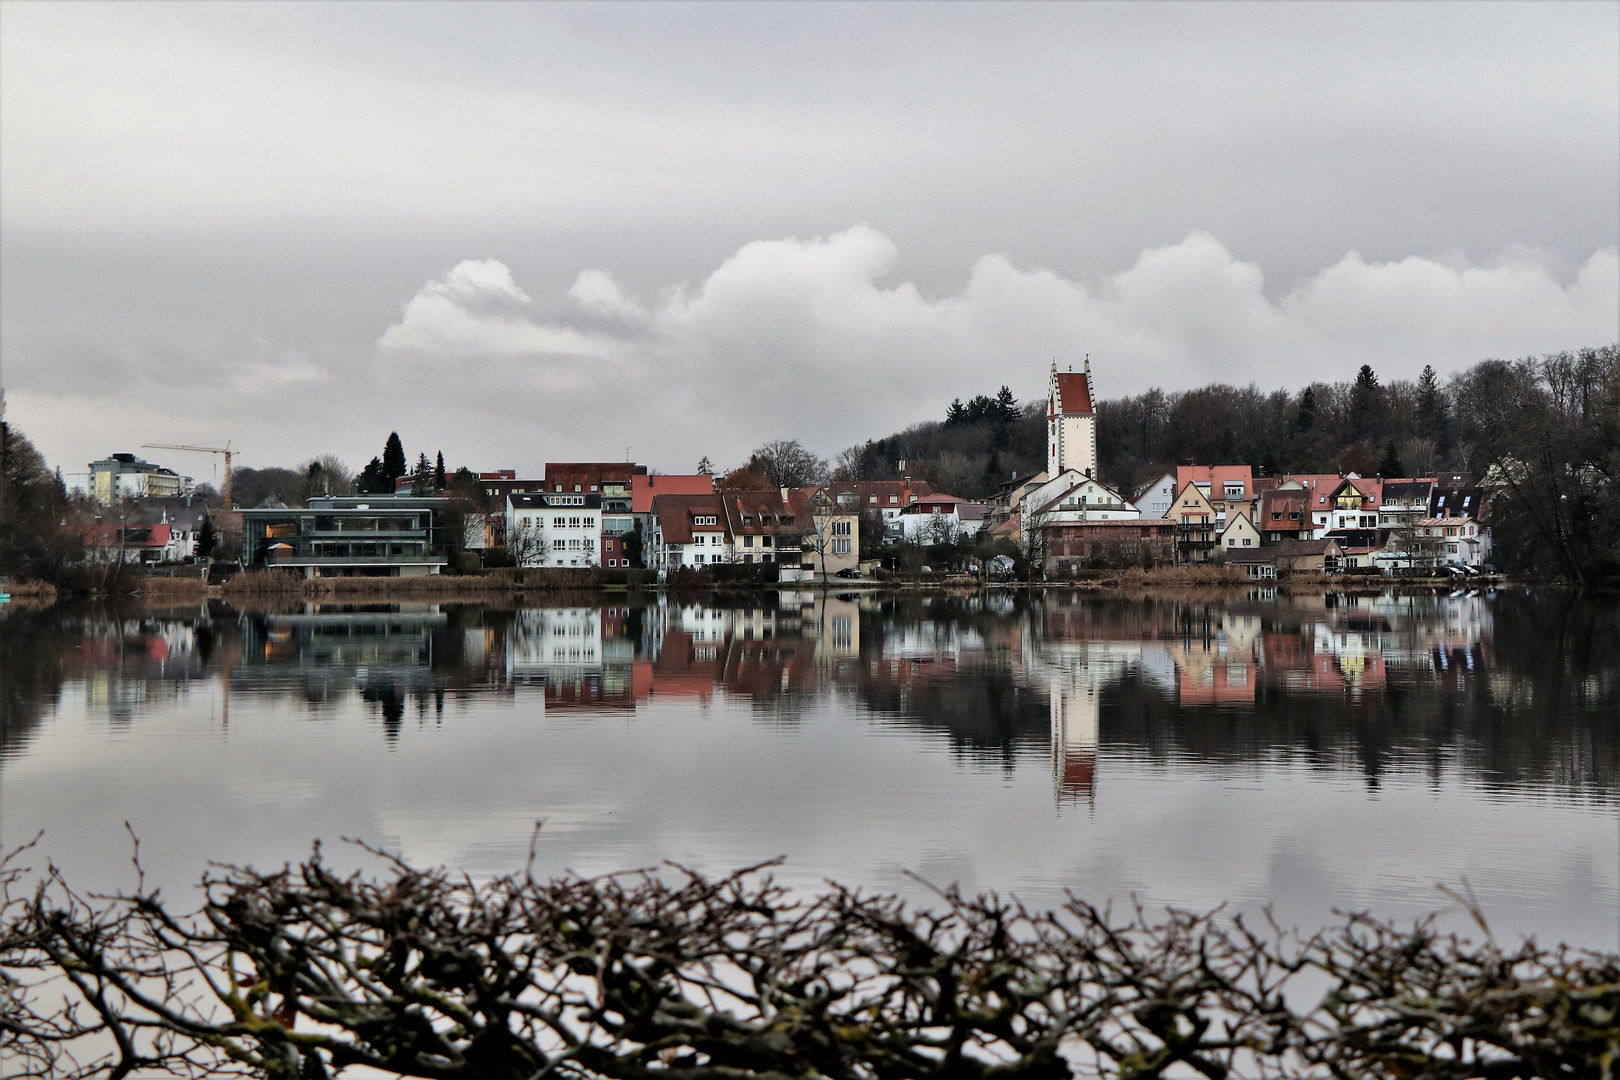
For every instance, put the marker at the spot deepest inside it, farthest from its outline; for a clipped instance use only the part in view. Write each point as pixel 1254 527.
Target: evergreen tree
pixel 992 472
pixel 393 462
pixel 422 476
pixel 956 414
pixel 1390 464
pixel 1432 413
pixel 207 538
pixel 439 481
pixel 1366 404
pixel 705 466
pixel 632 544
pixel 1307 409
pixel 373 479
pixel 1006 404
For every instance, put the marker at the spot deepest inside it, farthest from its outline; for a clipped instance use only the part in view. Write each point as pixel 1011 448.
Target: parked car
pixel 849 572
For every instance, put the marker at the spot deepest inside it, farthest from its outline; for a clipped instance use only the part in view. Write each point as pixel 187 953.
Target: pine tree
pixel 1366 403
pixel 373 479
pixel 705 466
pixel 956 414
pixel 992 472
pixel 393 462
pixel 1390 464
pixel 439 482
pixel 207 538
pixel 1006 404
pixel 1307 409
pixel 422 476
pixel 1432 413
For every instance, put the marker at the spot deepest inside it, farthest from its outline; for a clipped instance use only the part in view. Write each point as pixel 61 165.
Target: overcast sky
pixel 522 232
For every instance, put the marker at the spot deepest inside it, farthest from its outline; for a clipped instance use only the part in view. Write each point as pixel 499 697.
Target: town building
pixel 937 519
pixel 125 476
pixel 1156 497
pixel 351 536
pixel 1071 425
pixel 1226 487
pixel 1072 546
pixel 545 528
pixel 690 531
pixel 1197 535
pixel 1239 533
pixel 644 487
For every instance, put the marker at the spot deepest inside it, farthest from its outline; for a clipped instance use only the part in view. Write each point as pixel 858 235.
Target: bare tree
pixel 785 463
pixel 302 973
pixel 526 542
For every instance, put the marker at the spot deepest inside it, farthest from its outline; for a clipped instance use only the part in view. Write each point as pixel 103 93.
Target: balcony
pixel 288 558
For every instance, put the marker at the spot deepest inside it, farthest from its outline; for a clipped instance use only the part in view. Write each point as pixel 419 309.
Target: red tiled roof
pixel 1216 476
pixel 1074 393
pixel 675 514
pixel 644 486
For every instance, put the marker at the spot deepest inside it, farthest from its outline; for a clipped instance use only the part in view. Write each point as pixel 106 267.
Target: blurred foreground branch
pixel 304 973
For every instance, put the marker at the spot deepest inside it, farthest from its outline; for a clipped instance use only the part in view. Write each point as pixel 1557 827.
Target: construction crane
pixel 226 450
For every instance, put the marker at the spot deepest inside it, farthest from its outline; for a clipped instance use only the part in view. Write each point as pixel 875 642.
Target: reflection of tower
pixel 1076 711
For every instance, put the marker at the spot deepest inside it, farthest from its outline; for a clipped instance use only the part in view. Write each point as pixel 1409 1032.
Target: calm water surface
pixel 1311 752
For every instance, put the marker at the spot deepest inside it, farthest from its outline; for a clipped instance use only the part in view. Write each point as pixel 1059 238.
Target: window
pixel 1246 541
pixel 700 538
pixel 1276 515
pixel 698 558
pixel 872 499
pixel 841 547
pixel 894 498
pixel 785 519
pixel 590 523
pixel 764 541
pixel 559 545
pixel 748 541
pixel 704 519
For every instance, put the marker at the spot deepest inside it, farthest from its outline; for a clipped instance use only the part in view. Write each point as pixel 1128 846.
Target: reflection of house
pixel 363 536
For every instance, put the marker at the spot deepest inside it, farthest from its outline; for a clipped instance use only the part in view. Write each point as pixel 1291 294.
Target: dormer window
pixel 704 519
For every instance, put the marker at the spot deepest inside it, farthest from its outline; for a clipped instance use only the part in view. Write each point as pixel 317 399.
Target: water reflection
pixel 1185 731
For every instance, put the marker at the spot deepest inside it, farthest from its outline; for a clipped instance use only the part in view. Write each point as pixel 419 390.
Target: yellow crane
pixel 226 450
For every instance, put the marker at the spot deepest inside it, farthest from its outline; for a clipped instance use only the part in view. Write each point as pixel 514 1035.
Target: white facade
pixel 1071 426
pixel 546 529
pixel 1157 498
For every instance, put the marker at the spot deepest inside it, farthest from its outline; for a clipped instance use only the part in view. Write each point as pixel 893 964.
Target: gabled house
pixel 939 519
pixel 1196 529
pixel 1227 487
pixel 1239 533
pixel 1354 503
pixel 1154 498
pixel 829 536
pixel 689 531
pixel 1285 513
pixel 1455 541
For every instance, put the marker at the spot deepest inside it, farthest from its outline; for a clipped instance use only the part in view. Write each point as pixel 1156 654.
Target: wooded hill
pixel 1546 428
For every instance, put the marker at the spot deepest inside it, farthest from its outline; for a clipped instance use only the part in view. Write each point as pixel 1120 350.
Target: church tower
pixel 1071 426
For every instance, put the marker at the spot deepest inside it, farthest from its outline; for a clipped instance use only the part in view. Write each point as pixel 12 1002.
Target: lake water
pixel 1310 752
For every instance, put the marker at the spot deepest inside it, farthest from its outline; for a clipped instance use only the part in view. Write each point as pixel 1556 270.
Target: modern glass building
pixel 358 536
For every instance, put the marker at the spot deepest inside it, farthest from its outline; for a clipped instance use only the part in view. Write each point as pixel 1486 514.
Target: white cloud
pixel 478 310
pixel 800 337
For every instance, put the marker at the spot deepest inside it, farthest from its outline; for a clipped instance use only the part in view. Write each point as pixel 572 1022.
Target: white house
pixel 936 519
pixel 1071 497
pixel 1156 498
pixel 546 528
pixel 1240 533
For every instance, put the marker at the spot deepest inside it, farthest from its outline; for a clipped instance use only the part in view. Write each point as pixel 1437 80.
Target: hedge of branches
pixel 670 975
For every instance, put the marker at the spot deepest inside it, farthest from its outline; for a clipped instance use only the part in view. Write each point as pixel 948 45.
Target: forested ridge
pixel 1546 428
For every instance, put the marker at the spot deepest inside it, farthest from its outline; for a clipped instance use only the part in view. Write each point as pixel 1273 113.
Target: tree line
pixel 1546 429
